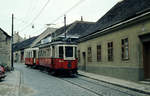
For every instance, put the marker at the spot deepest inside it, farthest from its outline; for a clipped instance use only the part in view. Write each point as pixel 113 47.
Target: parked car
pixel 2 72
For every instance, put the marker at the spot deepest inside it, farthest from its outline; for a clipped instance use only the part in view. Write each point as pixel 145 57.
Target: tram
pixel 57 57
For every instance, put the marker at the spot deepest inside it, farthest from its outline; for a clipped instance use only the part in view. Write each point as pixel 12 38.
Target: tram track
pixel 21 81
pixel 98 82
pixel 97 88
pixel 94 86
pixel 83 87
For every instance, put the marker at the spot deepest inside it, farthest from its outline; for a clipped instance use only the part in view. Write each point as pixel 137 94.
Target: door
pixel 22 56
pixel 84 61
pixel 146 59
pixel 34 56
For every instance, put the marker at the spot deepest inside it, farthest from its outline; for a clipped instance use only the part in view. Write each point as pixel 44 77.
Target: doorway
pixel 84 60
pixel 146 59
pixel 22 56
pixel 34 56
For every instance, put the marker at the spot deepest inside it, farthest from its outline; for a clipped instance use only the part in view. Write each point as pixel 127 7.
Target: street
pixel 33 82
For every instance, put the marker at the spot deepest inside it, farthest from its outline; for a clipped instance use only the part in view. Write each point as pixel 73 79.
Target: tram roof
pixel 57 43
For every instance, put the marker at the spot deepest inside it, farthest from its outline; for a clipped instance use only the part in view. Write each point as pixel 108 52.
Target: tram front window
pixel 69 51
pixel 61 52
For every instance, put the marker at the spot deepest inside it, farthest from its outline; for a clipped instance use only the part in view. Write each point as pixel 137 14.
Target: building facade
pixel 17 38
pixel 19 48
pixel 121 50
pixel 5 49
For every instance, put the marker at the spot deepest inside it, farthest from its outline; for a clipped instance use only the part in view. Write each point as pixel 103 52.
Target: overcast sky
pixel 28 13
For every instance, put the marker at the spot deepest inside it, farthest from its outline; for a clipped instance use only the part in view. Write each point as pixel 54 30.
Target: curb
pixel 133 89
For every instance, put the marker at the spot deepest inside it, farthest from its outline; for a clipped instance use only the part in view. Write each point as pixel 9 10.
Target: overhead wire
pixel 70 9
pixel 42 9
pixel 30 9
pixel 20 20
pixel 67 11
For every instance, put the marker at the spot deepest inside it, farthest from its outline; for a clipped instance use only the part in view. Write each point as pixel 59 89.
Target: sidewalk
pixel 10 85
pixel 142 88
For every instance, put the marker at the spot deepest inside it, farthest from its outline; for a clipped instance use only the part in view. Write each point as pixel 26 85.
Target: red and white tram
pixel 58 57
pixel 31 56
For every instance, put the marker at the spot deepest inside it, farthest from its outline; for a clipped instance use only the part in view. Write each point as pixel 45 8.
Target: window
pixel 89 54
pixel 0 44
pixel 53 51
pixel 69 51
pixel 110 51
pixel 75 52
pixel 61 51
pixel 125 49
pixel 98 53
pixel 78 55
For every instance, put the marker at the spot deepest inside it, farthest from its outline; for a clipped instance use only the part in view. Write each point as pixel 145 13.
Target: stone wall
pixel 5 49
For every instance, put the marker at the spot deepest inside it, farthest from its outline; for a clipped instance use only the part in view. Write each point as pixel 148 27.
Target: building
pixel 73 30
pixel 5 49
pixel 118 45
pixel 19 48
pixel 29 43
pixel 17 38
pixel 43 35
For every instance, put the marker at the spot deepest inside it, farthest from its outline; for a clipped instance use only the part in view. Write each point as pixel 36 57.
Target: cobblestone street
pixel 31 82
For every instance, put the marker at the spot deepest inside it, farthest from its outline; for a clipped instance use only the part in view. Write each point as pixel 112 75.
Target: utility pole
pixel 65 25
pixel 12 57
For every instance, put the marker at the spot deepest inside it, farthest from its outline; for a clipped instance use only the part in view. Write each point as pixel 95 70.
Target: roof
pixel 79 27
pixel 24 44
pixel 76 28
pixel 5 33
pixel 57 43
pixel 122 11
pixel 61 30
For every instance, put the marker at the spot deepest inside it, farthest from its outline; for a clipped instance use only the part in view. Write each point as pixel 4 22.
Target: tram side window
pixel 53 51
pixel 75 52
pixel 28 54
pixel 61 51
pixel 69 51
pixel 39 53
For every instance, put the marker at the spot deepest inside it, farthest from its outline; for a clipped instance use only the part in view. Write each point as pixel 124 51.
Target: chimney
pixel 81 18
pixel 24 36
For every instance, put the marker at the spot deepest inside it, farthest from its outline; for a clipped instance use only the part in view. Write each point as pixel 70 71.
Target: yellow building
pixel 118 45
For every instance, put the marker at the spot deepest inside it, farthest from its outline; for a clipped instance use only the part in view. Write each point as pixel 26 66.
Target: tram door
pixel 84 61
pixel 146 59
pixel 34 56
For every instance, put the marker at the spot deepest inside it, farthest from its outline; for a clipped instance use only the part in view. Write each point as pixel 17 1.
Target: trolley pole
pixel 65 25
pixel 12 57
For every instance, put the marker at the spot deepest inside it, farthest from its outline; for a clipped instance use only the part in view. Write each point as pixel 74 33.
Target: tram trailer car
pixel 59 57
pixel 31 57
